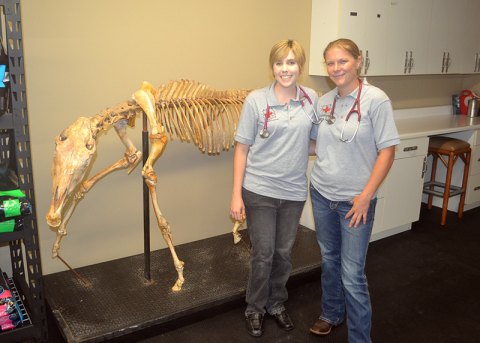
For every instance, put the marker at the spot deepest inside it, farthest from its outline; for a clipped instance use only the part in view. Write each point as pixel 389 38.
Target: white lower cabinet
pixel 473 190
pixel 473 185
pixel 400 196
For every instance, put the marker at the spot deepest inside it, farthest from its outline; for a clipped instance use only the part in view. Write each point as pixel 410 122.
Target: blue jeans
pixel 272 225
pixel 344 252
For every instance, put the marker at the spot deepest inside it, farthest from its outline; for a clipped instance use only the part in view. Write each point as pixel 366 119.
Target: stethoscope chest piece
pixel 264 133
pixel 330 119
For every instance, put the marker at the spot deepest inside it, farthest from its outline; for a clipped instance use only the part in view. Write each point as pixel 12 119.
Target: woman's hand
pixel 361 202
pixel 237 209
pixel 358 212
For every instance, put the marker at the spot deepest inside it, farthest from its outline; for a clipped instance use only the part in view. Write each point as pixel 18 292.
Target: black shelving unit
pixel 26 276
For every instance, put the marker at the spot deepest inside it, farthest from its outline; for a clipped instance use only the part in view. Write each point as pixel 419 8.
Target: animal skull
pixel 70 163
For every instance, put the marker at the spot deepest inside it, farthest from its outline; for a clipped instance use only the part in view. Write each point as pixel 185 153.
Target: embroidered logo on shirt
pixel 326 109
pixel 272 116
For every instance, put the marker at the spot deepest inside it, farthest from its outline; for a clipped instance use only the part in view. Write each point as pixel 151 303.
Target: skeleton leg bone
pixel 130 160
pixel 132 154
pixel 237 237
pixel 167 235
pixel 158 143
pixel 145 98
pixel 62 229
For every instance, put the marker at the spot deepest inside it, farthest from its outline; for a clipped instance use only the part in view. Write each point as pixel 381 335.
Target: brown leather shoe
pixel 321 328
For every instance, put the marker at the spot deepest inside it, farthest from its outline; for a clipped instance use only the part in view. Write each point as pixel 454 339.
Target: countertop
pixel 421 122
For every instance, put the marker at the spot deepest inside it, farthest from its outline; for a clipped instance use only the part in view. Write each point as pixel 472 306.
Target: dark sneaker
pixel 283 320
pixel 254 322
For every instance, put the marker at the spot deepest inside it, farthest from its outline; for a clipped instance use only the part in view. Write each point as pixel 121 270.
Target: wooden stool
pixel 448 150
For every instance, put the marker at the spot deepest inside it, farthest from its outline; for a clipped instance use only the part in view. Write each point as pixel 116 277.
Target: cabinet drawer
pixel 412 147
pixel 473 189
pixel 475 161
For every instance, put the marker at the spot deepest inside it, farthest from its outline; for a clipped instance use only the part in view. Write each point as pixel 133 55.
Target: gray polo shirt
pixel 276 166
pixel 342 170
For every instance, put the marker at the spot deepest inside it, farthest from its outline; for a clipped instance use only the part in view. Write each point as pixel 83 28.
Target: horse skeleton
pixel 183 109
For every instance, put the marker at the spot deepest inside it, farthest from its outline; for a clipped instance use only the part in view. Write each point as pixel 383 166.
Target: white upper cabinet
pixel 399 37
pixel 363 21
pixel 471 36
pixel 322 29
pixel 447 46
pixel 405 46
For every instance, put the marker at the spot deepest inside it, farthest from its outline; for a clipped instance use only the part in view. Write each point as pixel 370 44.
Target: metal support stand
pixel 146 203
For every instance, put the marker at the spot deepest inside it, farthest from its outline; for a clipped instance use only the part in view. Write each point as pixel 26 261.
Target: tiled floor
pixel 423 285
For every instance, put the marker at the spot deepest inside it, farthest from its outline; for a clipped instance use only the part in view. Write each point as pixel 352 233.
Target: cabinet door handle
pixel 367 62
pixel 443 62
pixel 476 188
pixel 411 148
pixel 364 57
pixel 405 67
pixel 475 69
pixel 448 62
pixel 410 63
pixel 425 166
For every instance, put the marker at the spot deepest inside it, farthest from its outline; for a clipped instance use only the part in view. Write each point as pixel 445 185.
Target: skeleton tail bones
pixel 181 109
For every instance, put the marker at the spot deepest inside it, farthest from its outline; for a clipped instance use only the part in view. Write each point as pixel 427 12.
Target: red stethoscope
pixel 330 119
pixel 314 119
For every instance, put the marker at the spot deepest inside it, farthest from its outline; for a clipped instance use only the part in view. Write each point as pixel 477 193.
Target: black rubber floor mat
pixel 117 300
